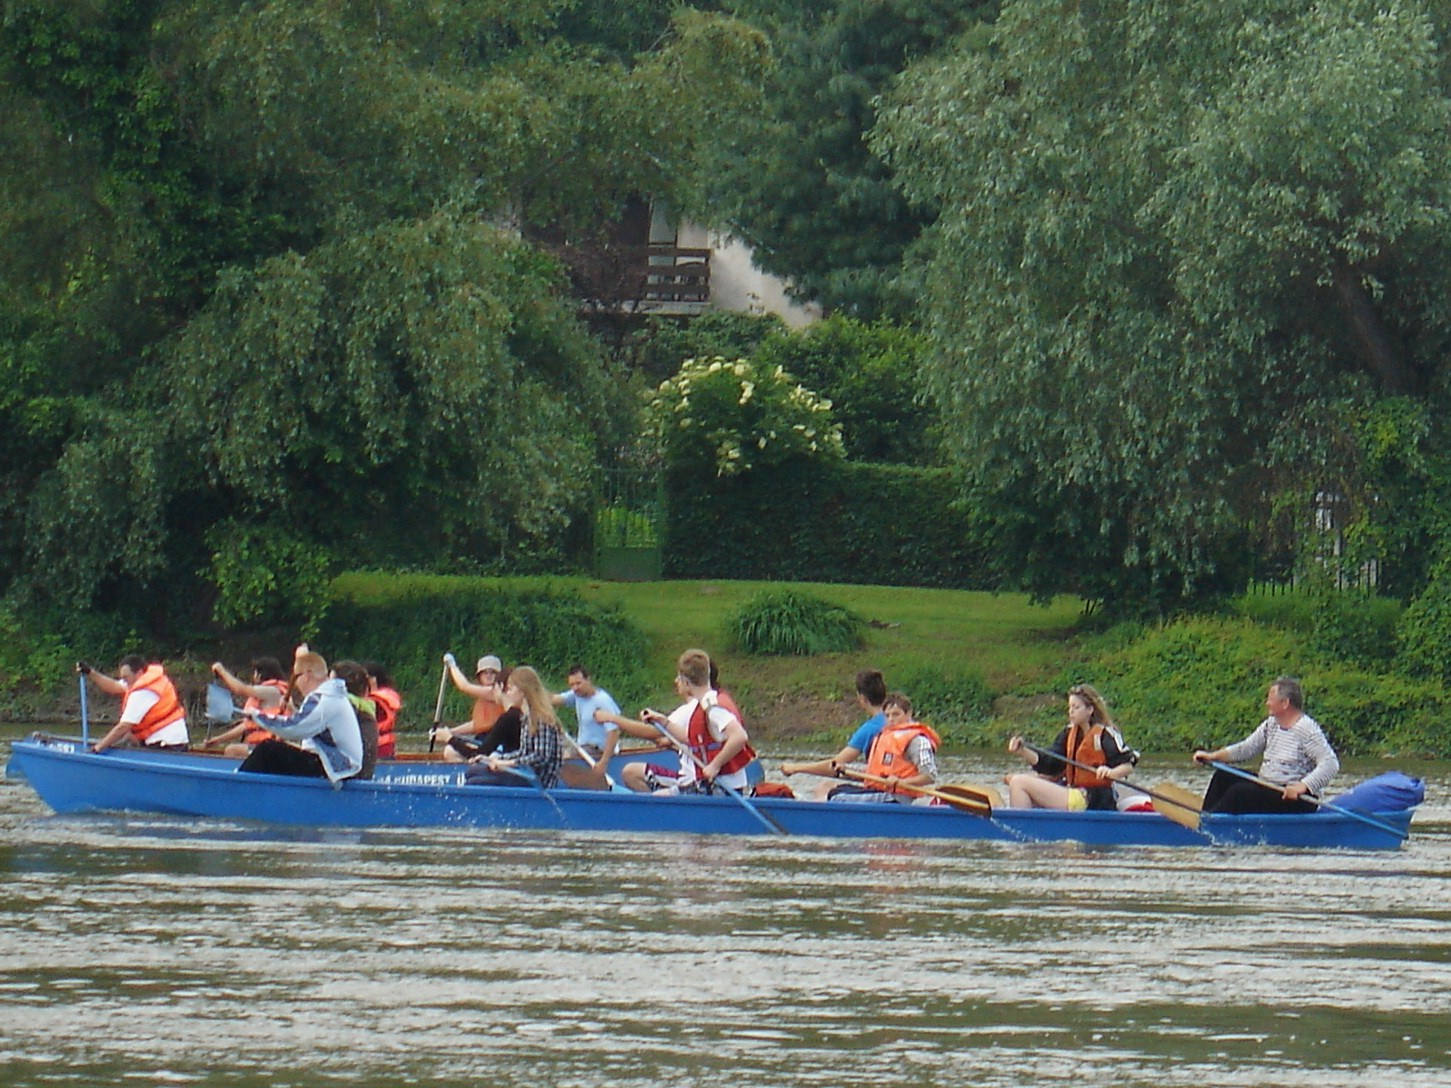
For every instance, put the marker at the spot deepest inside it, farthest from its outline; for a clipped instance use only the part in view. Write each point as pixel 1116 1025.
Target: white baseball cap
pixel 488 661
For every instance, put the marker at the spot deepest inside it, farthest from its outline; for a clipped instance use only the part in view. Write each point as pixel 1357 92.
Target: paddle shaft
pixel 438 707
pixel 1279 788
pixel 1157 796
pixel 735 795
pixel 85 715
pixel 962 804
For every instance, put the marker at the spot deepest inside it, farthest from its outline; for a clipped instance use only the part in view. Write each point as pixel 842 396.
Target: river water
pixel 156 951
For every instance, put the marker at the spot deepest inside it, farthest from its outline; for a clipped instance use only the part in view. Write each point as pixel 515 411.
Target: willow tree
pixel 264 296
pixel 1175 241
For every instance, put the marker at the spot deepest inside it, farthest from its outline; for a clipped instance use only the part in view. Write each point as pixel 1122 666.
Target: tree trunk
pixel 1381 350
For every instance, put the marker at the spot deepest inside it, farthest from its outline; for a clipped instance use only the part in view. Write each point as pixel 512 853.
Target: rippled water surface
pixel 150 950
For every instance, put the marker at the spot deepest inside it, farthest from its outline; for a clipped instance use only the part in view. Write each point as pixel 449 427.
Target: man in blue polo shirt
pixel 871 694
pixel 597 738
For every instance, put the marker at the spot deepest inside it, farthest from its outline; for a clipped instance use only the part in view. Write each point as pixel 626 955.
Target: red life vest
pixel 1087 749
pixel 705 746
pixel 256 732
pixel 888 755
pixel 167 710
pixel 388 702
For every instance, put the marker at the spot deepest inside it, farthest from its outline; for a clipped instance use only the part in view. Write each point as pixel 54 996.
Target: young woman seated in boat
pixel 540 748
pixel 1090 738
pixel 502 735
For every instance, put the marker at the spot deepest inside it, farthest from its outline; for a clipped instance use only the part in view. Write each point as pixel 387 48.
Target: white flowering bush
pixel 731 416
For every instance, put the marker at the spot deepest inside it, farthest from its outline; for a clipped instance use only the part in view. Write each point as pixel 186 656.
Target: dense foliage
pixel 263 304
pixel 846 522
pixel 729 417
pixel 1179 247
pixel 815 202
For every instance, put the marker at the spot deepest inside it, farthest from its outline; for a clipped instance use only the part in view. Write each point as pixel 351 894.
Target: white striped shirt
pixel 1299 753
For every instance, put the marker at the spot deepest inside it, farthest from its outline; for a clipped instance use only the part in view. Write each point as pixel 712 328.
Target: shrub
pixel 718 417
pixel 870 374
pixel 1348 625
pixel 1424 630
pixel 787 622
pixel 956 703
pixel 841 522
pixel 1200 683
pixel 658 348
pixel 266 576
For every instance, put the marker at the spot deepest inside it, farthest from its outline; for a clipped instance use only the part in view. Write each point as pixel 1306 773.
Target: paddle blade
pixel 219 704
pixel 1178 804
pixel 977 794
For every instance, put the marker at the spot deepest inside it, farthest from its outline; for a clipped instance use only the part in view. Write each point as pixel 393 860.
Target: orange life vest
pixel 1086 749
pixel 256 732
pixel 485 713
pixel 888 755
pixel 168 708
pixel 705 746
pixel 388 702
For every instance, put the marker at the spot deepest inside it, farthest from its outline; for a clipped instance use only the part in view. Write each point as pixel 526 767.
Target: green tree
pixel 256 272
pixel 871 375
pixel 1169 236
pixel 815 203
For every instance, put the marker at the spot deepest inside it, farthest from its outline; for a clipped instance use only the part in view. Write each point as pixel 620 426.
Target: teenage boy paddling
pixel 707 731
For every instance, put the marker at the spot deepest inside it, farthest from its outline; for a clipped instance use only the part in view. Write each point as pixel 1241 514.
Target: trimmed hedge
pixel 850 522
pixel 408 622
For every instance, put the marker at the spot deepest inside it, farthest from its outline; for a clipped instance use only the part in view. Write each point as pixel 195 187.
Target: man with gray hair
pixel 1297 758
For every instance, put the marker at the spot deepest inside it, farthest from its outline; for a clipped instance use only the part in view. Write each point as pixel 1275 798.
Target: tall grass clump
pixel 788 622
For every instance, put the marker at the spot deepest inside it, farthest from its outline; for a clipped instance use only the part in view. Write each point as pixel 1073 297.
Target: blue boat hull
pixel 71 779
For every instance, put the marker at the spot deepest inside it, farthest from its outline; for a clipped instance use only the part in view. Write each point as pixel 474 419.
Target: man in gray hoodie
pixel 324 725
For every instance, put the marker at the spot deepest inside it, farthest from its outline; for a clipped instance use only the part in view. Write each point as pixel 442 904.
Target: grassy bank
pixel 926 635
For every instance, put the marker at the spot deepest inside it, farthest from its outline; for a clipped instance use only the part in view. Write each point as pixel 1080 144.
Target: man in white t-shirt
pixel 151 711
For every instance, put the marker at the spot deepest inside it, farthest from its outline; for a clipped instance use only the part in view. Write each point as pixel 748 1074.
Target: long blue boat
pixel 72 779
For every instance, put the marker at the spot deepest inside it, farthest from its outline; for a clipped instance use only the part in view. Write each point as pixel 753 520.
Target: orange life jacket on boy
pixel 168 708
pixel 888 755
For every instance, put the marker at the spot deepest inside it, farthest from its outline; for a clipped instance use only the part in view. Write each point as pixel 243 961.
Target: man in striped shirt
pixel 1297 757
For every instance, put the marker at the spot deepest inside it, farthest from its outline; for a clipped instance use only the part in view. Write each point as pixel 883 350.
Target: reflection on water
pixel 155 951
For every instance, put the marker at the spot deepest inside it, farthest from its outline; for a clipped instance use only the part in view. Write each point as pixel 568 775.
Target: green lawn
pixel 1017 647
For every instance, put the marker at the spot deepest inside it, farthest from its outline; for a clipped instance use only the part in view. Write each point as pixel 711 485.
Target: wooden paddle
pixel 1182 809
pixel 1279 787
pixel 962 798
pixel 614 786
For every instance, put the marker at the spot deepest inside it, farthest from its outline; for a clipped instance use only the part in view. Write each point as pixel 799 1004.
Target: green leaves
pixel 1166 232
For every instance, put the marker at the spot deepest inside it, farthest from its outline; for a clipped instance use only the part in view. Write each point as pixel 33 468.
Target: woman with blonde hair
pixel 1098 754
pixel 539 748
